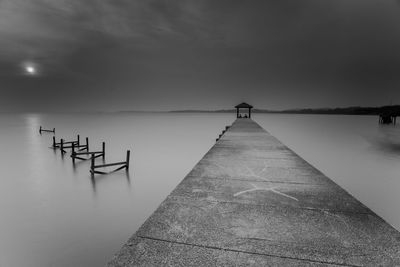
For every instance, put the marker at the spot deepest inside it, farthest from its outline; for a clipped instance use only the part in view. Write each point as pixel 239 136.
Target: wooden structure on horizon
pixel 388 114
pixel 243 106
pixel 387 118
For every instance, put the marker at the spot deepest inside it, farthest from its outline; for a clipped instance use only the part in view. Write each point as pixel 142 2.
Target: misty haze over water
pixel 54 214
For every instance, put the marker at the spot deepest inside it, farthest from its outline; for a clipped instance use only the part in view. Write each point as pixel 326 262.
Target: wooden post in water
pixel 62 145
pixel 92 164
pixel 87 144
pixel 41 129
pixel 73 152
pixel 54 142
pixel 128 154
pixel 78 140
pixel 104 150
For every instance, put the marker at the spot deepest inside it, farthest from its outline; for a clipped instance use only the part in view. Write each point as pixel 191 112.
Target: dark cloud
pixel 159 54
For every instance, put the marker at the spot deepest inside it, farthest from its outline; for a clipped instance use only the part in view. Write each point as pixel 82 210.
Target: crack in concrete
pixel 246 252
pixel 272 205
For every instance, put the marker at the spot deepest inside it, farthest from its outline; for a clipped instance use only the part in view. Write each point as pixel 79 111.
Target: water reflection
pixel 387 141
pixel 95 179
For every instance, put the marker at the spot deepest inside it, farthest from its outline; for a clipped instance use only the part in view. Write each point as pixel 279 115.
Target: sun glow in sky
pixel 30 68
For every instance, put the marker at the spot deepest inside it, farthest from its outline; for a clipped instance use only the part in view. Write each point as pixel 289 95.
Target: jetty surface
pixel 251 201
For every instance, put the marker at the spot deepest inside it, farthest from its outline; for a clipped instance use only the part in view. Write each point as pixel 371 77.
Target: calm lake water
pixel 54 214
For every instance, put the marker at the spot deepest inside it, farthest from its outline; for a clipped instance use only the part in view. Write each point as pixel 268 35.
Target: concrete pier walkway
pixel 251 201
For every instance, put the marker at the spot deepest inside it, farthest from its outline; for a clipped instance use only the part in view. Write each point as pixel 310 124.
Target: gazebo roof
pixel 243 105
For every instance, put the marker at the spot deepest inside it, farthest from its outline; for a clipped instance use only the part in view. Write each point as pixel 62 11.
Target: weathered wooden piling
pixel 128 155
pixel 62 146
pixel 251 201
pixel 47 130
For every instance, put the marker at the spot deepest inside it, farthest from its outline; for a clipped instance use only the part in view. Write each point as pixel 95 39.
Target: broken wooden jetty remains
pixel 93 154
pixel 122 165
pixel 47 130
pixel 251 201
pixel 79 151
pixel 63 145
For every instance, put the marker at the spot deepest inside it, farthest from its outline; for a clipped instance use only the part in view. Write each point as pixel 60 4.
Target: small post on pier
pixel 54 142
pixel 40 130
pixel 78 140
pixel 87 144
pixel 128 154
pixel 104 150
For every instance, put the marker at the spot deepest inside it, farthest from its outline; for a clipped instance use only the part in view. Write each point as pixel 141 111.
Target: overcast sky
pixel 60 55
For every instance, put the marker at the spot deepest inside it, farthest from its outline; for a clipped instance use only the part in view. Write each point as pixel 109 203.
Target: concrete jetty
pixel 251 201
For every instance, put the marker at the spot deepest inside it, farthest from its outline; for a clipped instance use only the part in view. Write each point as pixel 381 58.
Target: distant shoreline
pixel 326 111
pixel 373 111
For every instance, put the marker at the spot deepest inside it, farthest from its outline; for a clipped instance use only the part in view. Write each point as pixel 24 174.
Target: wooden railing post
pixel 128 154
pixel 87 144
pixel 78 140
pixel 104 150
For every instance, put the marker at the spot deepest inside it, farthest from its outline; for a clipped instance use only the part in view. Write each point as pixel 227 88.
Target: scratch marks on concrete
pixel 256 188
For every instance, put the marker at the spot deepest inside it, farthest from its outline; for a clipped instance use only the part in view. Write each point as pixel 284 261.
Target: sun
pixel 30 69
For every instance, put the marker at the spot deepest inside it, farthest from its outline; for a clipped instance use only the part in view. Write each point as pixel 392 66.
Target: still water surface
pixel 53 214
